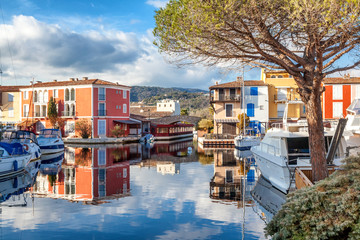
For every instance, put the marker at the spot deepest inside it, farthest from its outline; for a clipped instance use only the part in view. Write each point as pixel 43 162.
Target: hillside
pixel 196 100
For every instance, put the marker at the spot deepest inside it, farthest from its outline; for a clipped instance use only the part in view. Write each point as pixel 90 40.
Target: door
pixel 221 94
pixel 101 127
pixel 229 128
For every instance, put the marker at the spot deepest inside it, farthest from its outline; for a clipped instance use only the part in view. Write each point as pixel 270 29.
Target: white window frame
pixel 101 153
pixel 11 112
pixel 26 106
pixel 98 128
pixel 102 94
pixel 124 94
pixel 337 92
pixel 124 172
pixel 26 95
pixel 337 109
pixel 55 93
pixel 124 108
pixel 357 91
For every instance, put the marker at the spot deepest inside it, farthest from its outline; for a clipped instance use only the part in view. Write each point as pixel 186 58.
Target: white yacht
pixel 353 116
pixel 282 150
pixel 27 139
pixel 13 158
pixel 50 141
pixel 246 142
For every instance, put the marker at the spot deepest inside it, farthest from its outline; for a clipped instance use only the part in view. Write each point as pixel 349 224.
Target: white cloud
pixel 157 3
pixel 48 51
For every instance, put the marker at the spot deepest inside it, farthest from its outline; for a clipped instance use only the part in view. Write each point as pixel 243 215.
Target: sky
pixel 106 39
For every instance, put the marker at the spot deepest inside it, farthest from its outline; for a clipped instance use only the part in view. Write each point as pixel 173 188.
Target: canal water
pixel 160 191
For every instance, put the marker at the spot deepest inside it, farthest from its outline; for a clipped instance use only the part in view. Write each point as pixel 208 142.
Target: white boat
pixel 246 142
pixel 148 138
pixel 282 150
pixel 27 139
pixel 353 116
pixel 13 158
pixel 50 141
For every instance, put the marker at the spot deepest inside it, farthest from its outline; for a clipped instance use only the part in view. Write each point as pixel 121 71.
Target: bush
pixel 328 210
pixel 84 128
pixel 117 131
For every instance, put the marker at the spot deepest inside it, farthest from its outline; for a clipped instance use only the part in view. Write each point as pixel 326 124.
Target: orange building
pixel 103 104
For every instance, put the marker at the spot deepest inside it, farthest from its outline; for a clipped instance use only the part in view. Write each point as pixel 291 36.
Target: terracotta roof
pixel 11 88
pixel 237 84
pixel 340 80
pixel 75 82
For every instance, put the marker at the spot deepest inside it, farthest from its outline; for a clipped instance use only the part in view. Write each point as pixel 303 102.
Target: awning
pixel 226 120
pixel 126 121
pixel 28 123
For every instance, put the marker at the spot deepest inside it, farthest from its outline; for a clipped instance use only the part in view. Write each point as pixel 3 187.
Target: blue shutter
pixel 250 110
pixel 253 91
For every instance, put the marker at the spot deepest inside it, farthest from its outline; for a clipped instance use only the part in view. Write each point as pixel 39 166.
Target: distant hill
pixel 196 100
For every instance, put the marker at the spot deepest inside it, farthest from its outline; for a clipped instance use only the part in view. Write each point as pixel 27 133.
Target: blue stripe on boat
pixel 52 147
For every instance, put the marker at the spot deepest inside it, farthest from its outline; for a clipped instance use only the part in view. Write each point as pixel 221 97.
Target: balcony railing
pixel 101 97
pixel 288 97
pixel 226 98
pixel 37 114
pixel 68 114
pixel 101 112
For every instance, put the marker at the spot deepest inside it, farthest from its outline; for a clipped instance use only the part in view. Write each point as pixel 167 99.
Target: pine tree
pixel 52 112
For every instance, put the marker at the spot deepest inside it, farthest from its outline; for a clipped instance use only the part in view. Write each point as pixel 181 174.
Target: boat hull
pixel 246 143
pixel 12 165
pixel 51 149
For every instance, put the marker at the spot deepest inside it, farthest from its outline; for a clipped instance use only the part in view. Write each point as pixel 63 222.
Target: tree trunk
pixel 316 137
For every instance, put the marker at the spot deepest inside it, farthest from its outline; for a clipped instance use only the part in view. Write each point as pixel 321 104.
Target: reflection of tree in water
pixel 52 179
pixel 84 157
pixel 118 154
pixel 205 159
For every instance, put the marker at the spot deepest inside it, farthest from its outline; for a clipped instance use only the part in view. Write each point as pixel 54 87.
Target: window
pixel 101 157
pixel 55 93
pixel 253 91
pixel 357 91
pixel 280 76
pixel 26 110
pixel 261 107
pixel 72 94
pixel 124 108
pixel 46 97
pixel 117 107
pixel 101 94
pixel 11 112
pixel 282 94
pixel 102 111
pixel 337 92
pixel 117 92
pixel 10 97
pixel 250 109
pixel 26 95
pixel 229 176
pixel 273 76
pixel 229 110
pixel 337 109
pixel 101 127
pixel 125 173
pixel 280 110
pixel 124 94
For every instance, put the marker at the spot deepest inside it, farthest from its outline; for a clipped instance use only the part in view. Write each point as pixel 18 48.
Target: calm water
pixel 164 191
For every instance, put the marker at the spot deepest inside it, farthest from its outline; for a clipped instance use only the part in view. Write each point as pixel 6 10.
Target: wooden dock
pixel 303 176
pixel 216 143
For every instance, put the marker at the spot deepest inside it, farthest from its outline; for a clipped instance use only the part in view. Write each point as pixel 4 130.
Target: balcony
pixel 68 114
pixel 101 112
pixel 290 98
pixel 225 98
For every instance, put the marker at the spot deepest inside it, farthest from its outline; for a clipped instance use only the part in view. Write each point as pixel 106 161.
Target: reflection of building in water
pixel 90 175
pixel 229 180
pixel 173 148
pixel 168 168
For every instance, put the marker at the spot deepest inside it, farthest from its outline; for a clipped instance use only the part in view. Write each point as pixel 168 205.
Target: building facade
pixel 101 103
pixel 339 94
pixel 10 114
pixel 168 105
pixel 282 91
pixel 227 102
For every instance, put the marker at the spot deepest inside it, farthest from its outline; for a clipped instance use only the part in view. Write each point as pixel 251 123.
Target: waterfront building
pixel 102 104
pixel 168 105
pixel 10 114
pixel 226 101
pixel 282 91
pixel 339 94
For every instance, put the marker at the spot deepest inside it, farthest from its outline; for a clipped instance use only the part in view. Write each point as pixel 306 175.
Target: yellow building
pixel 10 105
pixel 282 91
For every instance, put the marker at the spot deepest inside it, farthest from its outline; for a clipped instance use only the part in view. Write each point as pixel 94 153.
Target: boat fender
pixel 15 183
pixel 15 165
pixel 26 147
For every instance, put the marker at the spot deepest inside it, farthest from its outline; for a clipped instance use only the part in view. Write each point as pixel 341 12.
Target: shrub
pixel 84 128
pixel 117 131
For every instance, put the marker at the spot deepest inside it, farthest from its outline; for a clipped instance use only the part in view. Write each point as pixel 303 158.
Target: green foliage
pixel 117 131
pixel 206 124
pixel 328 210
pixel 52 111
pixel 184 111
pixel 84 128
pixel 240 125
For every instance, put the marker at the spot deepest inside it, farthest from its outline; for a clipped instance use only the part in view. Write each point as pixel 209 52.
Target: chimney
pixel 216 83
pixel 38 81
pixel 85 78
pixel 77 79
pixel 347 76
pixel 71 79
pixel 55 80
pixel 239 79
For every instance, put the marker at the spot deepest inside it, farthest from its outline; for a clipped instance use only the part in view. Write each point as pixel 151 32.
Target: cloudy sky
pixel 106 39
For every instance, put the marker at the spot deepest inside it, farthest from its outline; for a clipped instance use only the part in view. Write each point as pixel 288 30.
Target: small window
pixel 117 92
pixel 337 92
pixel 124 108
pixel 10 97
pixel 55 93
pixel 101 157
pixel 11 112
pixel 261 107
pixel 124 94
pixel 273 76
pixel 117 107
pixel 125 173
pixel 253 91
pixel 25 95
pixel 250 107
pixel 280 76
pixel 101 94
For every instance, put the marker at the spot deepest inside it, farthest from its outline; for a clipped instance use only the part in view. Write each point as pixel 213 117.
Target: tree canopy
pixel 52 111
pixel 307 38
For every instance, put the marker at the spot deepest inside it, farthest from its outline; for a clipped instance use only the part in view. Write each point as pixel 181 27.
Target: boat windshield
pixel 49 133
pixel 19 136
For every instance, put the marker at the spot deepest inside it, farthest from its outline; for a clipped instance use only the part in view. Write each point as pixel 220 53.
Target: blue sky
pixel 106 39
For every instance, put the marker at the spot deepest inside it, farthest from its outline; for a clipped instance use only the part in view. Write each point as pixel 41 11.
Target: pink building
pixel 102 103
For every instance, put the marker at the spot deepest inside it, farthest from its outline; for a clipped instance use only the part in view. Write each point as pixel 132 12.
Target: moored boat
pixel 50 141
pixel 246 142
pixel 13 158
